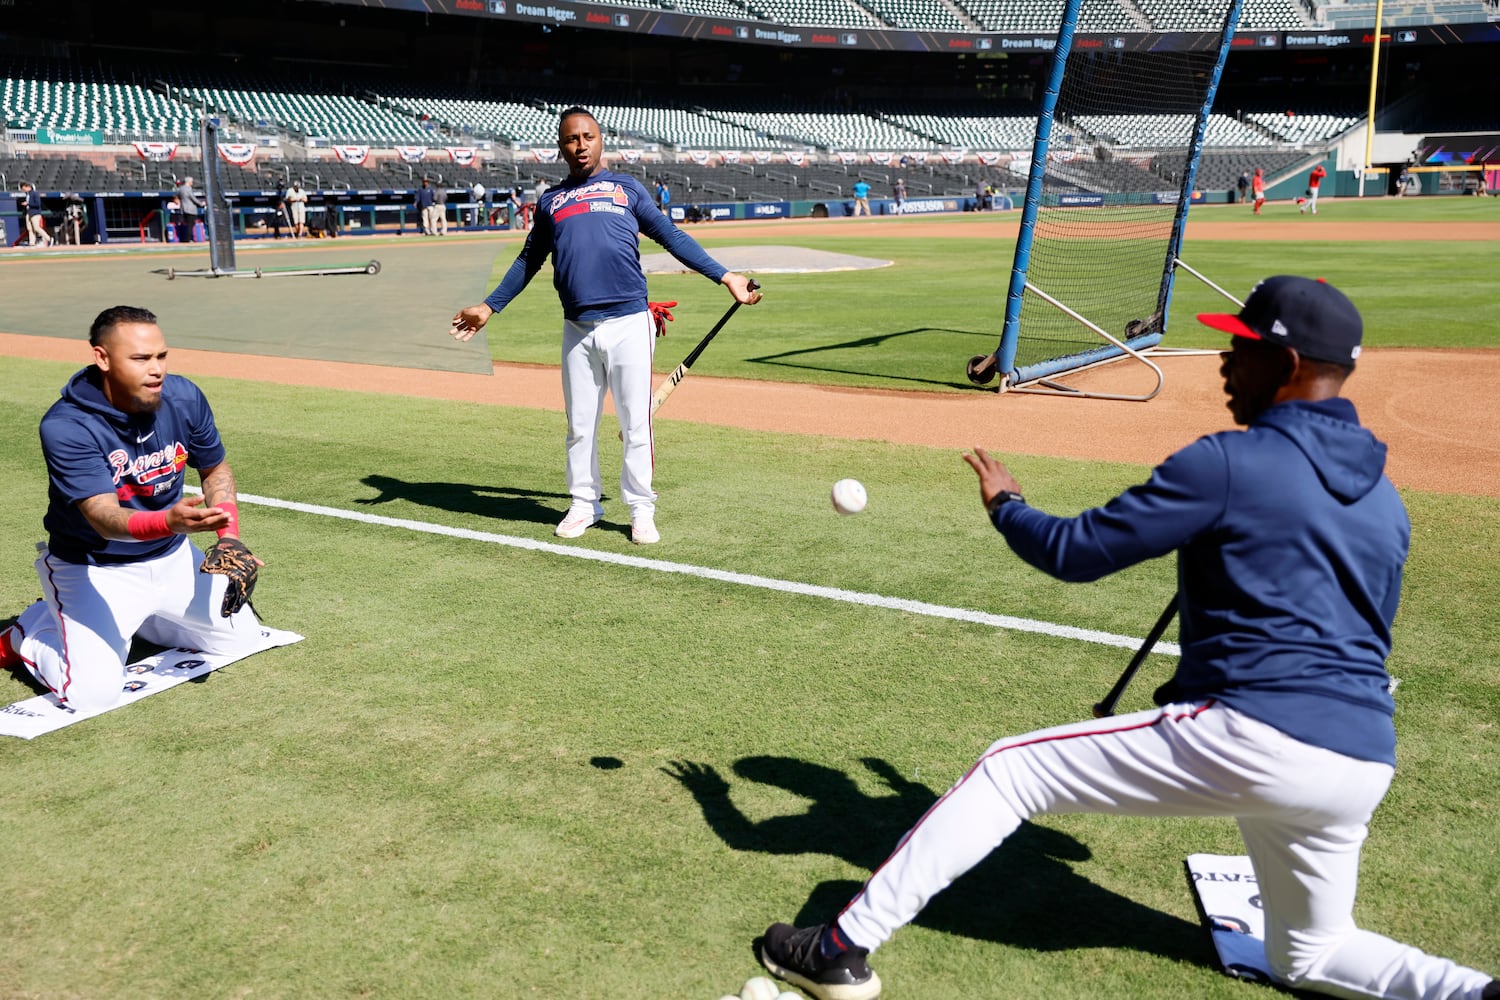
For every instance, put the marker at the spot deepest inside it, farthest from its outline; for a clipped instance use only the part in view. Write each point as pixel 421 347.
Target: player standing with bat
pixel 1290 544
pixel 590 225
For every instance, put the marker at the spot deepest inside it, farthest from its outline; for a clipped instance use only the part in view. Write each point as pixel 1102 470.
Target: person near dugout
pixel 117 562
pixel 36 220
pixel 589 225
pixel 1290 545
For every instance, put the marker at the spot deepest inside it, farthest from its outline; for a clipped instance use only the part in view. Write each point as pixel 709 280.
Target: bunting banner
pixel 238 153
pixel 462 155
pixel 796 158
pixel 918 158
pixel 954 155
pixel 629 155
pixel 412 154
pixel 761 155
pixel 729 155
pixel 988 159
pixel 157 151
pixel 848 159
pixel 548 155
pixel 356 155
pixel 699 157
pixel 882 158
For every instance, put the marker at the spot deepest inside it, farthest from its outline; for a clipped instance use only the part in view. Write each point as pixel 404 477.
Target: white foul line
pixel 724 576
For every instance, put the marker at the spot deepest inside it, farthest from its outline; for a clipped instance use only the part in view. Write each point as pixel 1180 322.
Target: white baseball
pixel 849 496
pixel 758 988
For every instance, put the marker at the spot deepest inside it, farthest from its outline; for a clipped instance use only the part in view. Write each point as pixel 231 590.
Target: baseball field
pixel 501 765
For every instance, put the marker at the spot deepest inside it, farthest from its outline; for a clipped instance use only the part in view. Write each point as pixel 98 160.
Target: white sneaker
pixel 577 521
pixel 643 529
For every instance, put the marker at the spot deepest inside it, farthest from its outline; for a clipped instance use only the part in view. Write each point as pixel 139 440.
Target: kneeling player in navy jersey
pixel 116 562
pixel 590 225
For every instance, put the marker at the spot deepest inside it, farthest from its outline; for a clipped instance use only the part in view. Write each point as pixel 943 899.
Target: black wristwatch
pixel 1004 496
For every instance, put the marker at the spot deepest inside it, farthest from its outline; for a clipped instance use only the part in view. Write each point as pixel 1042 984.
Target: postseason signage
pixel 681 25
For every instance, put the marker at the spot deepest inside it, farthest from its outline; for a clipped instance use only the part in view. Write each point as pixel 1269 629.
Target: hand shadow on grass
pixel 500 503
pixel 1024 894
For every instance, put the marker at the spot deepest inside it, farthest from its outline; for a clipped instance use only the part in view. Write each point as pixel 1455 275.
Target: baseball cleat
pixel 643 529
pixel 577 521
pixel 10 648
pixel 796 955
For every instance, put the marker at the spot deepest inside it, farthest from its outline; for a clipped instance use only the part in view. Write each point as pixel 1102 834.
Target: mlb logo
pixel 497 6
pixel 983 43
pixel 1406 36
pixel 741 31
pixel 622 20
pixel 850 39
pixel 1268 41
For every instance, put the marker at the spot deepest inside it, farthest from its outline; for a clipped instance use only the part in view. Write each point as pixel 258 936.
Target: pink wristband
pixel 233 527
pixel 147 525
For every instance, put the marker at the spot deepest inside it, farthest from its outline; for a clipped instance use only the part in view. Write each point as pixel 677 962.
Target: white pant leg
pixel 77 641
pixel 628 344
pixel 583 400
pixel 1181 760
pixel 1312 201
pixel 1307 869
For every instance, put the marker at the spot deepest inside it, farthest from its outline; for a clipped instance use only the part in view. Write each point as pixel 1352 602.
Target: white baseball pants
pixel 613 354
pixel 1301 810
pixel 75 640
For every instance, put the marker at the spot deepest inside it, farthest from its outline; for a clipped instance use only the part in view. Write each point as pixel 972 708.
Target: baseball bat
pixel 680 372
pixel 1106 707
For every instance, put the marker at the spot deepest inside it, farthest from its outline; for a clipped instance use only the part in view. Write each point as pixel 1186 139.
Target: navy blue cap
pixel 1310 316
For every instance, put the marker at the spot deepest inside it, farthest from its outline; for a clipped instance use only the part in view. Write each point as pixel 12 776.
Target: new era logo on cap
pixel 1310 316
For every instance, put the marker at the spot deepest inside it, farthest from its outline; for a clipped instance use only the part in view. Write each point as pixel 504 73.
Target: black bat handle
pixel 1106 707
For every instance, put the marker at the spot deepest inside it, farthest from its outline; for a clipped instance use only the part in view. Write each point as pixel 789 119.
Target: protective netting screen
pixel 1121 144
pixel 220 219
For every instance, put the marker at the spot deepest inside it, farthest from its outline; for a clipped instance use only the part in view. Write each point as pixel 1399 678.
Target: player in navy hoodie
pixel 590 225
pixel 1290 544
pixel 117 561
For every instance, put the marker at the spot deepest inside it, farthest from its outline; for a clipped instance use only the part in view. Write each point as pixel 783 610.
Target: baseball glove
pixel 661 312
pixel 231 558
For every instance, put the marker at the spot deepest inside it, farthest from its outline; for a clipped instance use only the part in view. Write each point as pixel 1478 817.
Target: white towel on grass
pixel 1229 900
pixel 31 718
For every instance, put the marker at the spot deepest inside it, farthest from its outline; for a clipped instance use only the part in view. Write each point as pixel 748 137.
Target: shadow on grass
pixel 499 503
pixel 984 344
pixel 1024 894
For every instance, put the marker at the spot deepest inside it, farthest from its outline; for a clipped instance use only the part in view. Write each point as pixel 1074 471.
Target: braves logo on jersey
pixel 600 196
pixel 151 474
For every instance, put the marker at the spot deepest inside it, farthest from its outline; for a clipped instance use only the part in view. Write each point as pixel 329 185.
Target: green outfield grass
pixel 914 324
pixel 417 800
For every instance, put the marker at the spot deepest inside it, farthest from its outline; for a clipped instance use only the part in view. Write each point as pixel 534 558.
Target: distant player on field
pixel 1314 180
pixel 590 225
pixel 1258 189
pixel 1290 546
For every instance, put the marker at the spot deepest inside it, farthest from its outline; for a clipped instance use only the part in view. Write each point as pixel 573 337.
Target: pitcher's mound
pixel 768 260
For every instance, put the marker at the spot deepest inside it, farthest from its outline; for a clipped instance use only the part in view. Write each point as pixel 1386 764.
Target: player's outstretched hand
pixel 745 291
pixel 230 557
pixel 994 477
pixel 469 321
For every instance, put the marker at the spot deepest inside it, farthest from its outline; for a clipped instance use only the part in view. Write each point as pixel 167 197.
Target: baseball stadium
pixel 476 755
